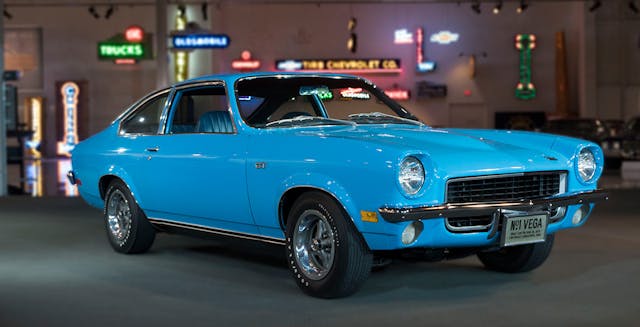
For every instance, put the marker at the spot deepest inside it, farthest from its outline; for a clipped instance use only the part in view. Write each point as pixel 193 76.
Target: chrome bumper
pixel 459 210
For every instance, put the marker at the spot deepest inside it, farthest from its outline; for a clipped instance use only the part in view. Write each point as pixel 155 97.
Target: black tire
pixel 348 261
pixel 517 259
pixel 121 210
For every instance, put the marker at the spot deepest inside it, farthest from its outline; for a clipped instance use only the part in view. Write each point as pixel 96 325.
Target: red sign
pixel 245 62
pixel 398 94
pixel 134 34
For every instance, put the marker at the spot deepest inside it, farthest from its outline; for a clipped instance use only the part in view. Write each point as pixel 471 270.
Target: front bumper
pixel 459 210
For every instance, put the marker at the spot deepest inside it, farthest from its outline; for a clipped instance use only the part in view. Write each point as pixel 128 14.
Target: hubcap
pixel 314 244
pixel 119 217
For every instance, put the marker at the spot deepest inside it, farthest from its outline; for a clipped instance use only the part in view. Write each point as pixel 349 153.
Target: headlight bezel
pixel 408 162
pixel 589 159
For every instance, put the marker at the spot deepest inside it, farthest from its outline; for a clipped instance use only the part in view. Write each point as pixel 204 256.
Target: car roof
pixel 233 77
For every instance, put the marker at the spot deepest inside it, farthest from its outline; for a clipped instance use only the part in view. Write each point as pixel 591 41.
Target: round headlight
pixel 411 175
pixel 586 164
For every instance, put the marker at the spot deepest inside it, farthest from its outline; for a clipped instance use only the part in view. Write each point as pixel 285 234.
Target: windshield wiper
pixel 380 118
pixel 307 121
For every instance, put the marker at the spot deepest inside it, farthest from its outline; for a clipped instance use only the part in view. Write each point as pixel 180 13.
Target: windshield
pixel 292 101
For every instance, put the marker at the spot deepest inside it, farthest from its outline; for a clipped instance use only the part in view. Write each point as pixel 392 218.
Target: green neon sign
pixel 525 43
pixel 116 50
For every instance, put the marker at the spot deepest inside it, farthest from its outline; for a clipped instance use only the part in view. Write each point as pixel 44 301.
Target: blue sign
pixel 200 41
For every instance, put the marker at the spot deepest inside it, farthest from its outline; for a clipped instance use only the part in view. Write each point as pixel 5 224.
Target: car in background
pixel 631 139
pixel 595 130
pixel 335 171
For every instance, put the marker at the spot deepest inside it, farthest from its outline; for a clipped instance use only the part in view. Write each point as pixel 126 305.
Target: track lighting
pixel 93 12
pixel 109 12
pixel 205 9
pixel 7 14
pixel 497 8
pixel 475 6
pixel 633 6
pixel 596 4
pixel 522 7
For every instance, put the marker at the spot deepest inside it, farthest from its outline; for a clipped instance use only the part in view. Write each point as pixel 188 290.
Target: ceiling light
pixel 498 7
pixel 522 7
pixel 633 6
pixel 109 12
pixel 596 4
pixel 93 12
pixel 475 6
pixel 7 14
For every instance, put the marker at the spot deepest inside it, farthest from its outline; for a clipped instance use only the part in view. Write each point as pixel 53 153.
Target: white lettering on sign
pixel 70 91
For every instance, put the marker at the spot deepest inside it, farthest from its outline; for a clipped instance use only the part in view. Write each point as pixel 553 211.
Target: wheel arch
pixel 293 193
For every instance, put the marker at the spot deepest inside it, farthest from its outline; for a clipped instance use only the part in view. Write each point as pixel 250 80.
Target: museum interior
pixel 72 67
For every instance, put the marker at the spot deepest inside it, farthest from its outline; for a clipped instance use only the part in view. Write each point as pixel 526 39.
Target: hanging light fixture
pixel 522 7
pixel 633 6
pixel 93 12
pixel 596 4
pixel 475 6
pixel 497 8
pixel 109 12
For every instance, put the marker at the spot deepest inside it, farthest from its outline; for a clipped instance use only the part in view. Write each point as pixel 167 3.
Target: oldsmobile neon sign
pixel 378 65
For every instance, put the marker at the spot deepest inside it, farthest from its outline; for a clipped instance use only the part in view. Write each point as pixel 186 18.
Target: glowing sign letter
pixel 422 66
pixel 70 91
pixel 525 43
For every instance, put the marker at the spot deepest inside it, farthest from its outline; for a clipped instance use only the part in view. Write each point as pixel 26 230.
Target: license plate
pixel 517 230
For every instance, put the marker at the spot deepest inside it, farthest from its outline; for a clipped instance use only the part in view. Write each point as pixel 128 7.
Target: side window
pixel 201 110
pixel 146 119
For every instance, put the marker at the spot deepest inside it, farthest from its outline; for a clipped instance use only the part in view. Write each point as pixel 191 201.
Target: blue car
pixel 332 169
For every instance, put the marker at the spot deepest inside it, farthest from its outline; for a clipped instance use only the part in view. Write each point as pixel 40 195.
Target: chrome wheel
pixel 119 217
pixel 314 244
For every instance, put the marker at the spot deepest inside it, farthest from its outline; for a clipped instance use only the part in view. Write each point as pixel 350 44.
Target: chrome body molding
pixel 223 232
pixel 459 210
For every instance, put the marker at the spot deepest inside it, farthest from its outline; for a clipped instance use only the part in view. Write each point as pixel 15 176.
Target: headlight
pixel 411 175
pixel 586 164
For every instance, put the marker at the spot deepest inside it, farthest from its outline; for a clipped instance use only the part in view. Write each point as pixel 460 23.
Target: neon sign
pixel 382 65
pixel 134 34
pixel 245 62
pixel 130 46
pixel 33 168
pixel 403 36
pixel 398 94
pixel 525 43
pixel 354 93
pixel 70 91
pixel 200 41
pixel 108 50
pixel 422 66
pixel 444 37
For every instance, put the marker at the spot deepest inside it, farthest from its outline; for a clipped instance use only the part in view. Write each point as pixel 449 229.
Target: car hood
pixel 460 152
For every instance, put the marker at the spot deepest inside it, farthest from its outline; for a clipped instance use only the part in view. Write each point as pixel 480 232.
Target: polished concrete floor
pixel 57 269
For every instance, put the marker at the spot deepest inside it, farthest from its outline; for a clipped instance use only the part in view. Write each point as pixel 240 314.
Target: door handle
pixel 154 149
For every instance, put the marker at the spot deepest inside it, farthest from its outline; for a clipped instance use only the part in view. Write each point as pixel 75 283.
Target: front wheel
pixel 519 258
pixel 128 229
pixel 325 252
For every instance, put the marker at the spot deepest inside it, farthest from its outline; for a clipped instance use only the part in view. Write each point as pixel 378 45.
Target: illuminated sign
pixel 200 41
pixel 128 47
pixel 398 94
pixel 354 93
pixel 134 34
pixel 422 66
pixel 428 89
pixel 245 62
pixel 341 65
pixel 70 91
pixel 444 37
pixel 403 36
pixel 33 167
pixel 111 51
pixel 525 43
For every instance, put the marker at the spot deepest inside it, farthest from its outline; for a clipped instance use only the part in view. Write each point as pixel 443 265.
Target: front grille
pixel 504 187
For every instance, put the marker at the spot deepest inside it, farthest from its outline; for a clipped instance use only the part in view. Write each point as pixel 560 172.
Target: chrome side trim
pixel 217 231
pixel 460 210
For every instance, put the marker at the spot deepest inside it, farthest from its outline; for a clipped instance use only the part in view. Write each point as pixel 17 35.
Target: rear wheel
pixel 326 254
pixel 128 229
pixel 519 258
